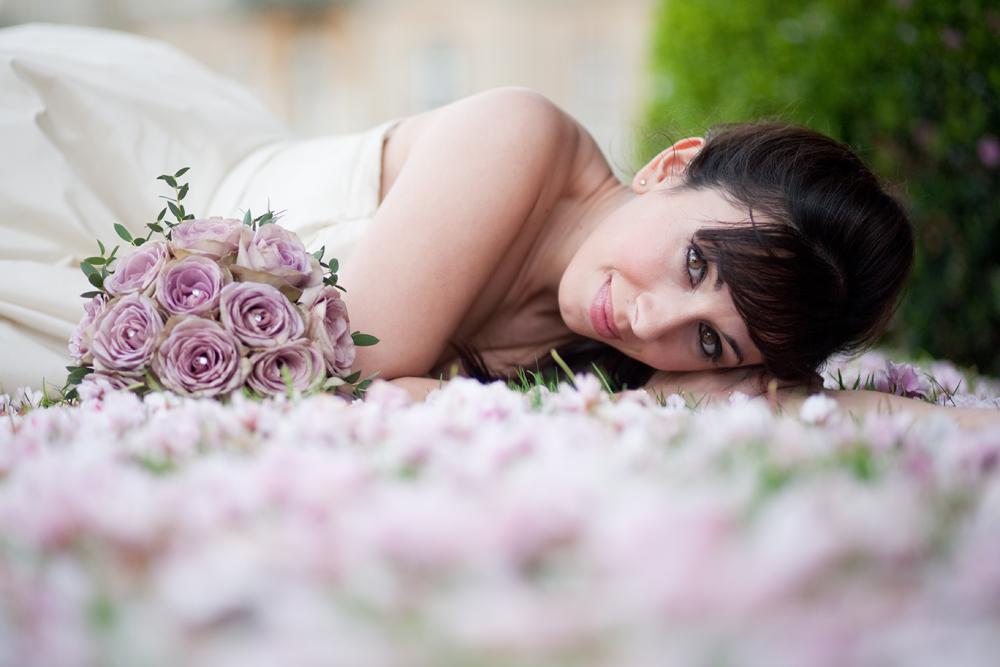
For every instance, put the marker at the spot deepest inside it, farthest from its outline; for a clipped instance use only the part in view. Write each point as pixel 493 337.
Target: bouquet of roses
pixel 216 306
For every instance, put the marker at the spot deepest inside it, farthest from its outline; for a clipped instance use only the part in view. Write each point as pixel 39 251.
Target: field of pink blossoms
pixel 490 528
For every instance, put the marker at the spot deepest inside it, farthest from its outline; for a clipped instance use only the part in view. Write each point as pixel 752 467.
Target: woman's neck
pixel 587 203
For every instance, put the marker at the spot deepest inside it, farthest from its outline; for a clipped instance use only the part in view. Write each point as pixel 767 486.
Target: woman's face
pixel 641 284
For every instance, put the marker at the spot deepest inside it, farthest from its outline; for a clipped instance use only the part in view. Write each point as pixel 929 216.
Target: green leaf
pixel 169 180
pixel 101 246
pixel 95 260
pixel 88 269
pixel 183 191
pixel 334 265
pixel 159 218
pixel 152 383
pixel 183 212
pixel 189 216
pixel 139 241
pixel 155 227
pixel 90 295
pixel 112 255
pixel 363 340
pixel 319 254
pixel 181 172
pixel 96 280
pixel 104 272
pixel 174 210
pixel 247 219
pixel 330 280
pixel 266 218
pixel 122 232
pixel 80 372
pixel 342 289
pixel 286 377
pixel 353 377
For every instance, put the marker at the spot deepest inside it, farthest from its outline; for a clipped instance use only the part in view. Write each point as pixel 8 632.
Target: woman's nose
pixel 655 316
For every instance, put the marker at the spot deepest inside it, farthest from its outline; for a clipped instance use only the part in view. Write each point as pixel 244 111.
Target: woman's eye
pixel 696 265
pixel 710 343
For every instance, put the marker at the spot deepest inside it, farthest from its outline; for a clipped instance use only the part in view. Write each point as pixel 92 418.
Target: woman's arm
pixel 861 403
pixel 707 387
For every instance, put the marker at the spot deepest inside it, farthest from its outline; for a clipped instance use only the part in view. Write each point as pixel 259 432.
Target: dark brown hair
pixel 817 271
pixel 828 251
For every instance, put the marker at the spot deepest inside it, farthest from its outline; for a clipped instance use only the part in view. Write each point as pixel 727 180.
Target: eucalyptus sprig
pixel 96 267
pixel 174 204
pixel 268 218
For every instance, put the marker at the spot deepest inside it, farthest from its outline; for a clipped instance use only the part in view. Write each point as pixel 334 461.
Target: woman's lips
pixel 602 313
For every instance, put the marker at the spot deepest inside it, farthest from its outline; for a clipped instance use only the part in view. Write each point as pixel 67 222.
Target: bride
pixel 482 234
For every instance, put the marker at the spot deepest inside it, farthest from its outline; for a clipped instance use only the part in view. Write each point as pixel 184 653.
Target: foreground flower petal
pixel 489 527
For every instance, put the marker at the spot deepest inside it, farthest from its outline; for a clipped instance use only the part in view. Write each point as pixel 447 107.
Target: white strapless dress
pixel 88 119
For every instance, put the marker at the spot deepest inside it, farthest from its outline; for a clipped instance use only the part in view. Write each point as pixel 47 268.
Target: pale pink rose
pixel 301 358
pixel 259 314
pixel 125 334
pixel 329 326
pixel 190 286
pixel 213 237
pixel 136 269
pixel 79 340
pixel 198 357
pixel 276 251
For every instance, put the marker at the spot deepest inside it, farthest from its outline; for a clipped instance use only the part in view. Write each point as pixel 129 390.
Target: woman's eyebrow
pixel 736 349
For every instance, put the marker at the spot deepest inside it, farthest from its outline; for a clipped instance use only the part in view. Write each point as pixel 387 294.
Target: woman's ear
pixel 667 166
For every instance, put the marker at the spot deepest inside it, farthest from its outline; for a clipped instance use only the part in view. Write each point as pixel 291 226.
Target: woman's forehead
pixel 702 207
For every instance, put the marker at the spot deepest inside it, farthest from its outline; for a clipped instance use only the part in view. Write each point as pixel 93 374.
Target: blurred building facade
pixel 331 66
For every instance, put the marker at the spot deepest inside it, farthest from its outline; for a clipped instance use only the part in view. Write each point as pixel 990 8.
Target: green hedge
pixel 913 85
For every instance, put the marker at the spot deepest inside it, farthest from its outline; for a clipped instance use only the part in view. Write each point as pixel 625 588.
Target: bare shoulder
pixel 520 125
pixel 465 191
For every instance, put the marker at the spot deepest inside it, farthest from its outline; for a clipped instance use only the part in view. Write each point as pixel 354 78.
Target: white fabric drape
pixel 88 119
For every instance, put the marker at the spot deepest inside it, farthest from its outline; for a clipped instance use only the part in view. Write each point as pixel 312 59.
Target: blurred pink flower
pixel 952 38
pixel 902 380
pixel 988 149
pixel 818 409
pixel 949 378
